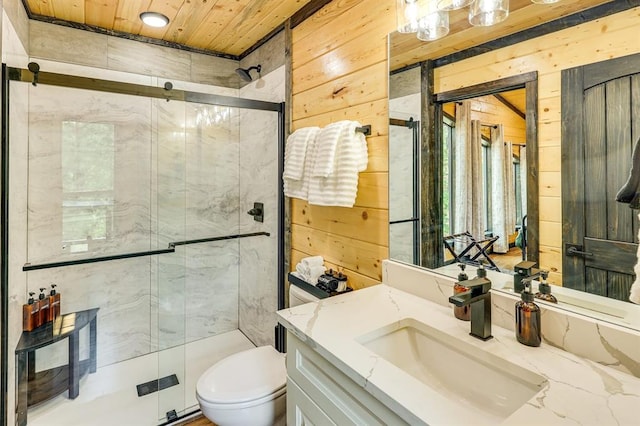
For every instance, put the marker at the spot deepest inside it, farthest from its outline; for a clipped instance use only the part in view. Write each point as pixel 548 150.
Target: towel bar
pixel 366 130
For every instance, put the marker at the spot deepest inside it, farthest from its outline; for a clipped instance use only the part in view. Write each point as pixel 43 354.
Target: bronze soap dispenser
pixel 528 318
pixel 544 289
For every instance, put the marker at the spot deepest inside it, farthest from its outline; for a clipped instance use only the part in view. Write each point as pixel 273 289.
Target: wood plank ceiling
pixel 406 49
pixel 517 99
pixel 220 26
pixel 231 27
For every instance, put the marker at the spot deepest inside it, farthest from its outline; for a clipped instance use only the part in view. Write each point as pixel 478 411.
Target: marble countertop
pixel 578 391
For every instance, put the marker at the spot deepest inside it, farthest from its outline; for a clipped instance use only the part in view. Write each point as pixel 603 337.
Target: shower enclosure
pixel 136 200
pixel 404 201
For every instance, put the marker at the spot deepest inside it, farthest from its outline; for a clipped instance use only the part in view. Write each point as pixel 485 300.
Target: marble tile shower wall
pixel 14 54
pixel 175 177
pixel 121 289
pixel 400 167
pixel 73 46
pixel 213 209
pixel 198 197
pixel 17 211
pixel 54 135
pixel 259 182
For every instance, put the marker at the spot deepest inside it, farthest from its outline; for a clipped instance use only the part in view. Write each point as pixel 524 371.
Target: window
pixel 447 175
pixel 88 153
pixel 518 191
pixel 486 186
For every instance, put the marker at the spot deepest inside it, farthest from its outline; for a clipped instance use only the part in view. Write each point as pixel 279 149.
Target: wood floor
pixel 506 262
pixel 200 421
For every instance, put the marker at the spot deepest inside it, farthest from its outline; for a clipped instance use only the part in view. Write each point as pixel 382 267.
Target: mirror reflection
pixel 486 187
pixel 404 187
pixel 484 180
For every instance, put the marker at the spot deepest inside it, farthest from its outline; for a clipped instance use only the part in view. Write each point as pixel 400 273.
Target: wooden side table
pixel 35 387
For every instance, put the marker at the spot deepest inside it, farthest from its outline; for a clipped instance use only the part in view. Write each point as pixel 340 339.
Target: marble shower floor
pixel 109 397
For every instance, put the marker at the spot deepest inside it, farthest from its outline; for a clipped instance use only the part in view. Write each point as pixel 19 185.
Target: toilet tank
pixel 298 296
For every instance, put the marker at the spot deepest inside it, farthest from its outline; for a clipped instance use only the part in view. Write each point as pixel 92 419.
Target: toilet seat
pixel 246 378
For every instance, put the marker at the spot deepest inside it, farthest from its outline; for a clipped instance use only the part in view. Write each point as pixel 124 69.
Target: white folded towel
pixel 340 187
pixel 634 295
pixel 326 145
pixel 312 261
pixel 295 152
pixel 299 188
pixel 310 268
pixel 314 273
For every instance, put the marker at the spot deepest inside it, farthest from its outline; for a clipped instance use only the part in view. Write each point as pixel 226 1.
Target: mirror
pixel 484 181
pixel 497 105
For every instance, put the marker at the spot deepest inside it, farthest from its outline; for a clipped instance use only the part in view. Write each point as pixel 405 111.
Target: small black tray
pixel 310 288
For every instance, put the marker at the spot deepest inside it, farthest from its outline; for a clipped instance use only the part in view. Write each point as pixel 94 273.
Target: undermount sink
pixel 488 387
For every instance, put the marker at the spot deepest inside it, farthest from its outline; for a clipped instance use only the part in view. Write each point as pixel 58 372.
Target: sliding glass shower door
pixel 89 229
pixel 197 185
pixel 133 201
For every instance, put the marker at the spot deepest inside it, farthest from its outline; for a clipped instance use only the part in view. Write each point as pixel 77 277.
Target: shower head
pixel 245 73
pixel 35 69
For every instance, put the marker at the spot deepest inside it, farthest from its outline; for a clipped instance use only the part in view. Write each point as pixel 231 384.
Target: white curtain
pixel 462 174
pixel 468 211
pixel 503 205
pixel 477 223
pixel 523 179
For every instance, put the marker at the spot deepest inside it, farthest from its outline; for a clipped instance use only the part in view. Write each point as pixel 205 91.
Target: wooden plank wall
pixel 595 41
pixel 490 110
pixel 340 72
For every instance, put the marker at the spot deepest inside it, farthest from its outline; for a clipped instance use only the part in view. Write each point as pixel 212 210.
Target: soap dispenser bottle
pixel 528 319
pixel 464 312
pixel 54 303
pixel 43 306
pixel 30 314
pixel 544 289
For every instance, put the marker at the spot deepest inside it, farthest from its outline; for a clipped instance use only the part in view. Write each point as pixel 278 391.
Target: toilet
pixel 248 388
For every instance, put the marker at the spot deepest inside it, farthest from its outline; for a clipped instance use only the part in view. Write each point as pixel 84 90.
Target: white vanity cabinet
pixel 318 393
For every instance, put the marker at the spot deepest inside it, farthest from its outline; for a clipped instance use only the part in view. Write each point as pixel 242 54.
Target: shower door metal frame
pixel 412 125
pixel 168 93
pixel 4 247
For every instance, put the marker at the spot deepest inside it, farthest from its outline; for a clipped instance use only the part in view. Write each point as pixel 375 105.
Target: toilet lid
pixel 244 376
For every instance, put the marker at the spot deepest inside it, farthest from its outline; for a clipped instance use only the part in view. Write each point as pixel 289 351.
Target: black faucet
pixel 479 298
pixel 523 270
pixel 541 273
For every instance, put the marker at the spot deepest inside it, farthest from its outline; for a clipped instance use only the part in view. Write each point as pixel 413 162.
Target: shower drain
pixel 156 385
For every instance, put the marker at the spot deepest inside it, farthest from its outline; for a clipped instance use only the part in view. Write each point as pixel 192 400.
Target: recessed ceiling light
pixel 154 19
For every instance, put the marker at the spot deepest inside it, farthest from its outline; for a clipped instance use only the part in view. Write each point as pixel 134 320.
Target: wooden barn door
pixel 600 125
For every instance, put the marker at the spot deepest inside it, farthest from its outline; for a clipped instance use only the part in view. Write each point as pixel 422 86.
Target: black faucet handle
pixel 527 280
pixel 478 286
pixel 481 272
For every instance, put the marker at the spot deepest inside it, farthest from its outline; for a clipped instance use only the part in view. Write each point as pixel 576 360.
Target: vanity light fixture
pixel 429 19
pixel 407 14
pixel 154 19
pixel 453 4
pixel 433 26
pixel 484 13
